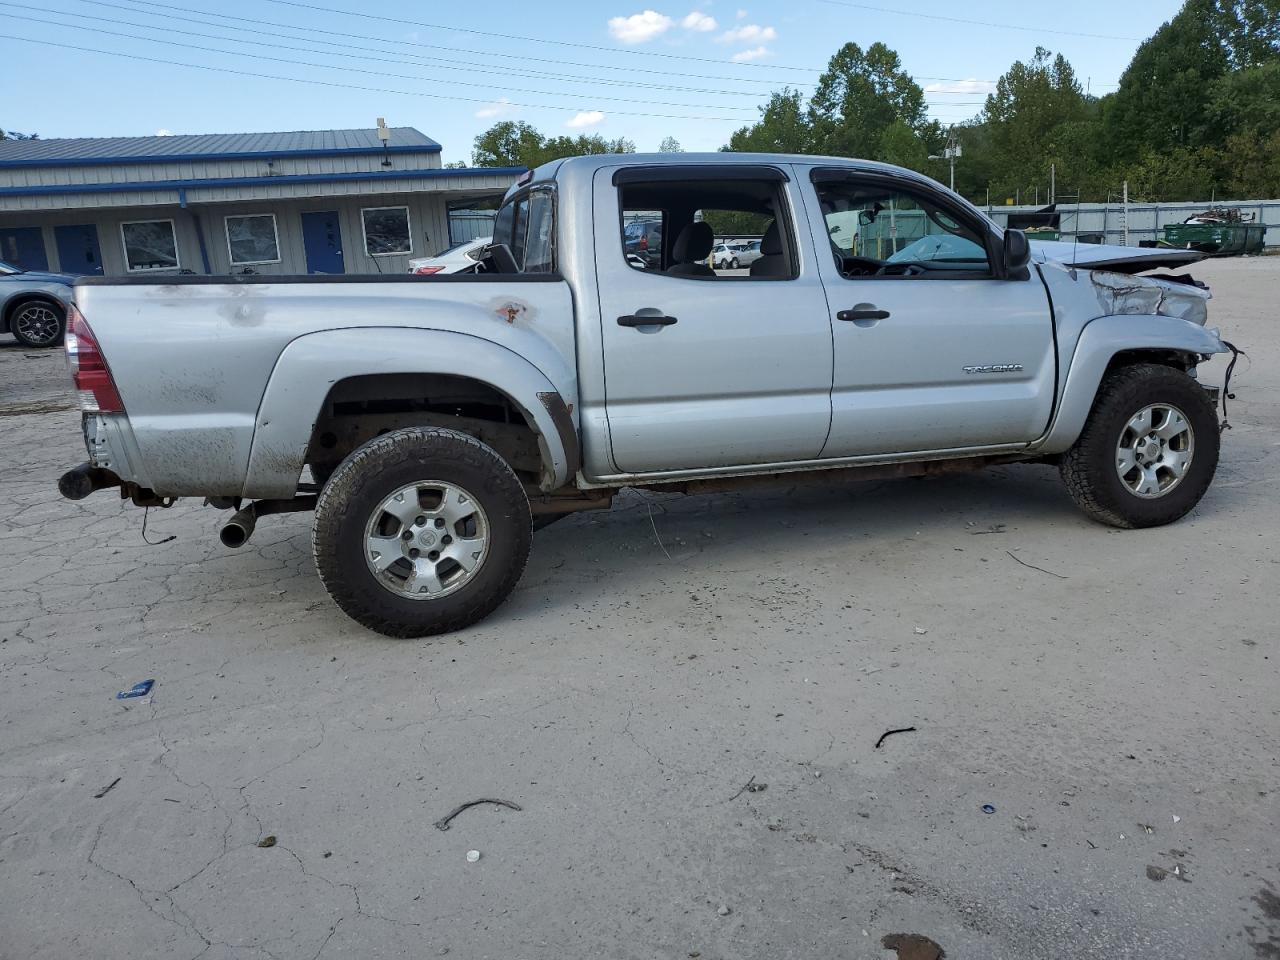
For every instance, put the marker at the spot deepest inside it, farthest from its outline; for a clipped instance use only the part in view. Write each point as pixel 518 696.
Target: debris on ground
pixel 988 808
pixel 723 910
pixel 473 856
pixel 994 528
pixel 443 822
pixel 268 841
pixel 107 789
pixel 1176 818
pixel 1156 873
pixel 1032 566
pixel 890 733
pixel 912 946
pixel 921 631
pixel 139 689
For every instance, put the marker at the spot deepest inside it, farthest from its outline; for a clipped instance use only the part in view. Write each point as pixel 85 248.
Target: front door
pixel 709 368
pixel 322 241
pixel 78 250
pixel 23 247
pixel 932 350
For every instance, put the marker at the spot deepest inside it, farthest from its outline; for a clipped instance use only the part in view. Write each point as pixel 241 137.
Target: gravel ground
pixel 1117 708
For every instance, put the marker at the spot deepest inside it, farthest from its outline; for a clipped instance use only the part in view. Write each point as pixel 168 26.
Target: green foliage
pixel 14 135
pixel 518 144
pixel 783 127
pixel 670 145
pixel 859 97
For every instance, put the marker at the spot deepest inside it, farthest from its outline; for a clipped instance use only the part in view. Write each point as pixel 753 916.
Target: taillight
pixel 644 241
pixel 427 271
pixel 89 371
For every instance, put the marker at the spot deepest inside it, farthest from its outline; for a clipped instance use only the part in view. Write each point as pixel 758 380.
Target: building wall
pixel 428 230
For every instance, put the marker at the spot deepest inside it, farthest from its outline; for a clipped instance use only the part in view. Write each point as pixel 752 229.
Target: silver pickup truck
pixel 432 423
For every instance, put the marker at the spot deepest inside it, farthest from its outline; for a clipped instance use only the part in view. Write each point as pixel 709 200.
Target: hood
pixel 42 276
pixel 1117 259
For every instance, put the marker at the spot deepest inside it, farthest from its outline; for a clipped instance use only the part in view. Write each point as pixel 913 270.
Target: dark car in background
pixel 643 239
pixel 33 304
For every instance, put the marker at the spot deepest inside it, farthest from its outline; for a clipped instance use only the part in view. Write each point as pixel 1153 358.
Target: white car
pixel 459 258
pixel 724 256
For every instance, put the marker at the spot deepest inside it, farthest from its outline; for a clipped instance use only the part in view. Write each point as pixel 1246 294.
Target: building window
pixel 386 231
pixel 253 239
pixel 149 245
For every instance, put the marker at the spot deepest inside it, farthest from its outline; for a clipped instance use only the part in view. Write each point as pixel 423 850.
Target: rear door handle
pixel 862 313
pixel 631 320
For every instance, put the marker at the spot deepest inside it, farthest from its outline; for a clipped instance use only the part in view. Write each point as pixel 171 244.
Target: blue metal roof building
pixel 323 201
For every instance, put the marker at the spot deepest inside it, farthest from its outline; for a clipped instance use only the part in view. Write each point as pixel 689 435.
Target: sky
pixel 695 70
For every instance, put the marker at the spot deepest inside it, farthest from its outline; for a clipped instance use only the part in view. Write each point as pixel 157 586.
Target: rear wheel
pixel 1148 451
pixel 421 531
pixel 38 323
pixel 733 264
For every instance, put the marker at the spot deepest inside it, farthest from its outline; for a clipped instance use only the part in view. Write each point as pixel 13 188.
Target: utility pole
pixel 1053 183
pixel 1125 214
pixel 951 153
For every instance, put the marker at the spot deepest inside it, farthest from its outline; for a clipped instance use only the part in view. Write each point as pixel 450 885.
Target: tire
pixel 38 323
pixel 430 593
pixel 733 264
pixel 1092 468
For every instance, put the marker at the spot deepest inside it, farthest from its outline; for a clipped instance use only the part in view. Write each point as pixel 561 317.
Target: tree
pixel 670 145
pixel 859 97
pixel 511 143
pixel 1038 116
pixel 783 127
pixel 14 135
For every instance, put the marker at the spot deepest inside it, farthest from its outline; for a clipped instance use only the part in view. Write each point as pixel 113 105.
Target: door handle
pixel 632 320
pixel 862 313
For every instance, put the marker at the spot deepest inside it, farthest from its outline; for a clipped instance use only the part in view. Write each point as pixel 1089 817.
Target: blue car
pixel 33 304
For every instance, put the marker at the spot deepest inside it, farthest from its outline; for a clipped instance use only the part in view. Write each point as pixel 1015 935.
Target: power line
pixel 331 66
pixel 415 43
pixel 977 23
pixel 513 36
pixel 415 62
pixel 346 86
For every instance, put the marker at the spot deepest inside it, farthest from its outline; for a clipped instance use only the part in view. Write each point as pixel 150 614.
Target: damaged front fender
pixel 1121 294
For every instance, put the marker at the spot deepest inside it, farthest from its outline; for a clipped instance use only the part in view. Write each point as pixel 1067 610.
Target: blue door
pixel 78 250
pixel 322 241
pixel 24 247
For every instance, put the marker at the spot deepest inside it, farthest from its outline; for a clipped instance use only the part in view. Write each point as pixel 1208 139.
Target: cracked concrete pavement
pixel 1122 721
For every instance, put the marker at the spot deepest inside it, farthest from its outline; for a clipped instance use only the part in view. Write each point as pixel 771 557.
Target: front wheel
pixel 1148 451
pixel 38 323
pixel 733 264
pixel 421 531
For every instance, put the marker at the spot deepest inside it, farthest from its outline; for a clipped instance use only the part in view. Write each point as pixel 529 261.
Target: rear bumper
pixel 113 461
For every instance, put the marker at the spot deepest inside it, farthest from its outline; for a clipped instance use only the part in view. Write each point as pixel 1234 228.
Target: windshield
pixel 7 268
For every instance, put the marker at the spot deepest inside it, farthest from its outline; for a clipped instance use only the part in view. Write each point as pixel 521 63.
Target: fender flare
pixel 1098 343
pixel 309 366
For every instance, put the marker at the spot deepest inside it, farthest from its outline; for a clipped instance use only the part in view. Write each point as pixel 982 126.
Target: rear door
pixel 933 351
pixel 702 369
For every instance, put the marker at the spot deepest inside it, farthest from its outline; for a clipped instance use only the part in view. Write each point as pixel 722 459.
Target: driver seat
pixel 772 263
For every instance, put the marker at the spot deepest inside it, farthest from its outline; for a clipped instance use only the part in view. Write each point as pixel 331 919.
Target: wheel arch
pixel 381 368
pixel 18 300
pixel 1109 343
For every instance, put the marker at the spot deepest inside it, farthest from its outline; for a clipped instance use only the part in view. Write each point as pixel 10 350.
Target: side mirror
pixel 1017 251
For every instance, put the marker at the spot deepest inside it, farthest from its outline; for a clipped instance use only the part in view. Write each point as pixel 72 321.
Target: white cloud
pixel 745 56
pixel 699 21
pixel 961 86
pixel 748 33
pixel 742 14
pixel 164 132
pixel 640 27
pixel 585 118
pixel 495 109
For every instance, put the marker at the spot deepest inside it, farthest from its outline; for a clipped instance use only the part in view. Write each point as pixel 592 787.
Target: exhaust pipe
pixel 237 531
pixel 78 483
